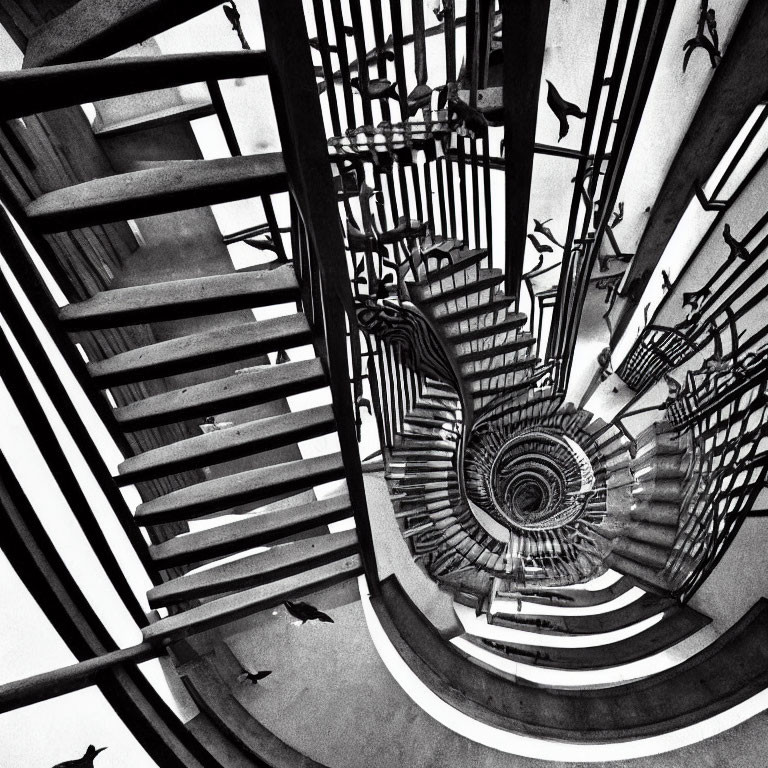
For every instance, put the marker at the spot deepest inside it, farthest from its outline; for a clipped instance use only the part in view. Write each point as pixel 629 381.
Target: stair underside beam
pixel 92 29
pixel 268 382
pixel 250 571
pixel 28 91
pixel 248 602
pixel 181 298
pixel 250 531
pixel 173 186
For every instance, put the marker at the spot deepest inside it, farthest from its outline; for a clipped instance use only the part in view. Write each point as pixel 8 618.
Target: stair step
pixel 92 29
pixel 641 552
pixel 29 91
pixel 202 350
pixel 227 444
pixel 242 488
pixel 501 370
pixel 464 260
pixel 276 563
pixel 246 603
pixel 487 278
pixel 178 113
pixel 173 186
pixel 504 321
pixel 447 315
pixel 522 341
pixel 253 387
pixel 251 531
pixel 181 298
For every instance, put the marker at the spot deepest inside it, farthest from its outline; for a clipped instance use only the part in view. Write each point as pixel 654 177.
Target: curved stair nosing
pixel 726 673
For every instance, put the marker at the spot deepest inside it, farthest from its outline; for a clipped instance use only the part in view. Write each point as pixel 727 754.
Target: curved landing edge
pixel 674 628
pixel 453 709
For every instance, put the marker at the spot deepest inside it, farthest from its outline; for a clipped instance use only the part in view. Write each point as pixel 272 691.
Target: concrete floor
pixel 331 697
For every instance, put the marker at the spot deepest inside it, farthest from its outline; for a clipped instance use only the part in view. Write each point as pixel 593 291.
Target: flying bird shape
pixel 539 247
pixel 563 109
pixel 86 761
pixel 546 231
pixel 253 677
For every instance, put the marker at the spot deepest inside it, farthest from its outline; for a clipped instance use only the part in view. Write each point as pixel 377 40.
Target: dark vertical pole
pixel 525 34
pixel 300 123
pixel 325 56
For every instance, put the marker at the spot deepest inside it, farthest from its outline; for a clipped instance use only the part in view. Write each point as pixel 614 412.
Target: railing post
pixel 302 134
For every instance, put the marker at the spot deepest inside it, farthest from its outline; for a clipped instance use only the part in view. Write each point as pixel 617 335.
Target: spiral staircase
pixel 528 566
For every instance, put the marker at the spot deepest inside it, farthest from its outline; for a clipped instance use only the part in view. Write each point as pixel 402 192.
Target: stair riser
pixel 228 453
pixel 224 404
pixel 288 486
pixel 180 311
pixel 249 581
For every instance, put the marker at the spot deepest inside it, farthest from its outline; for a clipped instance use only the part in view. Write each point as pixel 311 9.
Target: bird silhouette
pixel 539 247
pixel 380 88
pixel 233 16
pixel 306 612
pixel 253 677
pixel 737 248
pixel 538 266
pixel 546 231
pixel 692 298
pixel 563 109
pixel 617 216
pixel 674 387
pixel 666 285
pixel 712 47
pixel 470 119
pixel 282 357
pixel 86 761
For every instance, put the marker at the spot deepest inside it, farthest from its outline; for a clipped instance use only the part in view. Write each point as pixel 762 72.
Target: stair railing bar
pixel 650 40
pixel 32 554
pixel 33 350
pixel 598 76
pixel 217 99
pixel 23 395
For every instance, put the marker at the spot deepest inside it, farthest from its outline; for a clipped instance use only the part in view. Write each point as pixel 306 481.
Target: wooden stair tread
pixel 446 315
pixel 227 444
pixel 251 531
pixel 511 321
pixel 512 345
pixel 728 671
pixel 242 488
pixel 500 370
pixel 202 350
pixel 184 112
pixel 92 29
pixel 247 602
pixel 251 387
pixel 28 91
pixel 172 186
pixel 181 298
pixel 464 260
pixel 487 278
pixel 279 561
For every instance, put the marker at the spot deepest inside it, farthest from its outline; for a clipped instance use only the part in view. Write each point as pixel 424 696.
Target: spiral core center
pixel 536 480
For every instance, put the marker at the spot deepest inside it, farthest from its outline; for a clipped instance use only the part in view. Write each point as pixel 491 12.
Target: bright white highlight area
pixel 509 607
pixel 542 749
pixel 479 627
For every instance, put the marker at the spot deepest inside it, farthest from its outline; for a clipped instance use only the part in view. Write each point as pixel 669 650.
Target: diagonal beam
pixel 525 35
pixel 738 85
